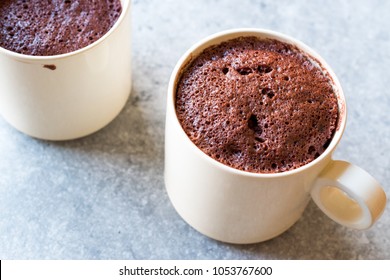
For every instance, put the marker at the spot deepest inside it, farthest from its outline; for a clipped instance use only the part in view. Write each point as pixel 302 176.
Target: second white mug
pixel 70 95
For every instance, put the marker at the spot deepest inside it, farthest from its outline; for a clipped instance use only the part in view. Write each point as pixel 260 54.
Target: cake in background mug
pixel 65 66
pixel 53 27
pixel 253 118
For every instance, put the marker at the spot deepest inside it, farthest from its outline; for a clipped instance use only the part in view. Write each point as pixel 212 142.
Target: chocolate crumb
pixel 50 66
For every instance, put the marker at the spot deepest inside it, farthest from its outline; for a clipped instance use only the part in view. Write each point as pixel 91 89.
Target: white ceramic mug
pixel 70 95
pixel 241 207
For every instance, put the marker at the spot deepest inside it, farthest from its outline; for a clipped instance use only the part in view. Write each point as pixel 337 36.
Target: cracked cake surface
pixel 257 105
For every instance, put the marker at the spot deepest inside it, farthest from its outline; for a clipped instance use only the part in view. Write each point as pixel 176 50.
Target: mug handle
pixel 349 195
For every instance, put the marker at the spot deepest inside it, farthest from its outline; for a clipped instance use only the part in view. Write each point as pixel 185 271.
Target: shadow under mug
pixel 70 95
pixel 240 207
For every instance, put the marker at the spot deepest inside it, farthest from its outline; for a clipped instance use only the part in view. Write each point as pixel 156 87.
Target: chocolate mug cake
pixel 258 105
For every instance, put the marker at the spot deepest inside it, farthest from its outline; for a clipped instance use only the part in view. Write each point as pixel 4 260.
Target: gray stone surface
pixel 103 196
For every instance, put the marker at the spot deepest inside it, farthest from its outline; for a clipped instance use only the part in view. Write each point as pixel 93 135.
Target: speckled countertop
pixel 103 196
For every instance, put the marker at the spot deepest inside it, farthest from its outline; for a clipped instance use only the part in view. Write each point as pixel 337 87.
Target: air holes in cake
pixel 225 70
pixel 259 139
pixel 253 123
pixel 274 165
pixel 233 149
pixel 327 143
pixel 268 92
pixel 311 150
pixel 286 78
pixel 244 71
pixel 264 69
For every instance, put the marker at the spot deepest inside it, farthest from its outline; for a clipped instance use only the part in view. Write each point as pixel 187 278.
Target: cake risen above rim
pixel 257 105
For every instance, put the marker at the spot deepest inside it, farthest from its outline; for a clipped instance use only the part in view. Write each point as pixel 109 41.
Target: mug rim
pixel 29 57
pixel 222 36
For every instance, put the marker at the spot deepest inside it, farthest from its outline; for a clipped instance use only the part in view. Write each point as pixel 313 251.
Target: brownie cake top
pixel 257 105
